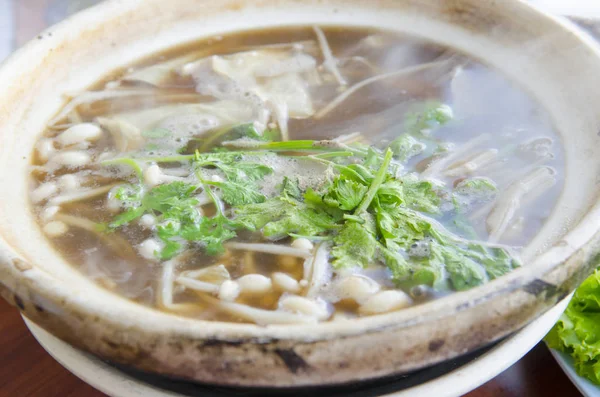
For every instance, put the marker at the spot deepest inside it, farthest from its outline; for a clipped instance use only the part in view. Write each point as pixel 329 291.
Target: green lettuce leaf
pixel 577 332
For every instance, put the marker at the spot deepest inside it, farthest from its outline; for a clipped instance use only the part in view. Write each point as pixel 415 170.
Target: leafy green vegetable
pixel 405 147
pixel 238 193
pixel 372 159
pixel 371 210
pixel 418 125
pixel 291 189
pixel 243 170
pixel 212 232
pixel 376 183
pixel 397 263
pixel 463 271
pixel 354 246
pixel 174 203
pixel 174 200
pixel 496 261
pixel 345 194
pixel 391 193
pixel 241 176
pixel 401 227
pixel 129 194
pixel 420 195
pixel 176 206
pixel 471 191
pixel 427 117
pixel 278 218
pixel 577 332
pixel 249 131
pixel 126 217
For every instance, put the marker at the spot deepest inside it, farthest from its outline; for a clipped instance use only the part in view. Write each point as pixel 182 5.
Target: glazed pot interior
pixel 557 66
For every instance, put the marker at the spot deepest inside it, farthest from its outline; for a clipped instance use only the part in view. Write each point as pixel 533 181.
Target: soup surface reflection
pixel 296 176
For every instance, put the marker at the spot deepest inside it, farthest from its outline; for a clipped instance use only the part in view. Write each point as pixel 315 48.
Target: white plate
pixel 576 8
pixel 455 383
pixel 587 388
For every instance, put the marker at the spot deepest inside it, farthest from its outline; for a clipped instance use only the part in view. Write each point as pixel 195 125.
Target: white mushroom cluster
pixel 309 299
pixel 68 149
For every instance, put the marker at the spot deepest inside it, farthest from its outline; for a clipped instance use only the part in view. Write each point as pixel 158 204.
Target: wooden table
pixel 26 370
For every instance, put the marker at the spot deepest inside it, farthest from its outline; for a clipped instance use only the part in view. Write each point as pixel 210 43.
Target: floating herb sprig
pixel 370 211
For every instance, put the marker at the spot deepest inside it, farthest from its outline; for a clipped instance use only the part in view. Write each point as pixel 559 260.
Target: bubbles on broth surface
pixel 249 179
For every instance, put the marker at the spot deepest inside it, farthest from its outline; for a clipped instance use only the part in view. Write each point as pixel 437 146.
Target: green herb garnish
pixel 371 210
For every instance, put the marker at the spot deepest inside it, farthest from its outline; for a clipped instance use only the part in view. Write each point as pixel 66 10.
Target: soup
pixel 296 175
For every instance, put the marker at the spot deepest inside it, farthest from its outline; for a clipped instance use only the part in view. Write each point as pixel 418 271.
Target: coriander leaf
pixel 168 229
pixel 420 195
pixel 464 273
pixel 305 221
pixel 368 222
pixel 249 131
pixel 170 249
pixel 399 266
pixel 168 232
pixel 471 191
pixel 316 201
pixel 125 217
pixel 209 159
pixel 354 246
pixel 313 197
pixel 171 197
pixel 129 194
pixel 270 134
pixel 357 173
pixel 243 170
pixel 372 159
pixel 345 194
pixel 429 116
pixel 391 193
pixel 496 261
pixel 406 146
pixel 278 218
pixel 255 216
pixel 239 193
pixel 240 186
pixel 387 225
pixel 291 189
pixel 402 226
pixel 213 232
pixel 175 205
pixel 427 270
